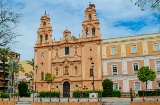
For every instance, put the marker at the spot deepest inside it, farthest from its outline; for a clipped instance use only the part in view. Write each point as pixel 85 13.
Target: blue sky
pixel 118 18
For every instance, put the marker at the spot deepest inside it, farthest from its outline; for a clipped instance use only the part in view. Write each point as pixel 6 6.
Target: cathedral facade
pixel 75 62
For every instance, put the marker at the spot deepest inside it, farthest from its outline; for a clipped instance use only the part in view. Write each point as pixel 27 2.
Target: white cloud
pixel 71 12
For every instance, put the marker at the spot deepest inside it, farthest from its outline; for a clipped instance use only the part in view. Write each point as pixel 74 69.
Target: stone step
pixel 23 103
pixel 116 103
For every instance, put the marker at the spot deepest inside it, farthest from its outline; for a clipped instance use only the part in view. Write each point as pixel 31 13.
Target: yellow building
pixel 122 57
pixel 24 76
pixel 70 58
pixel 27 68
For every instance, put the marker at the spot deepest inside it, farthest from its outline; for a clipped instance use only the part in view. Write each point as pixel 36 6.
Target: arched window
pixel 90 17
pixel 42 54
pixel 41 39
pixel 87 32
pixel 93 32
pixel 46 38
pixel 66 36
pixel 42 75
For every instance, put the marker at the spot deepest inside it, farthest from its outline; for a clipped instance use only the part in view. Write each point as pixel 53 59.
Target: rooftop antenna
pixel 66 27
pixel 45 12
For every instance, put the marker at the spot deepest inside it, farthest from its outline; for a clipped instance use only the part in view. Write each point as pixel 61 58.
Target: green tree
pixel 154 4
pixel 49 77
pixel 8 24
pixel 107 87
pixel 23 89
pixel 146 74
pixel 31 63
pixel 31 74
pixel 14 67
pixel 5 55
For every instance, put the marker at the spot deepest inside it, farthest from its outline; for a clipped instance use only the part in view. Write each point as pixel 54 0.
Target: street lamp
pixel 92 64
pixel 36 67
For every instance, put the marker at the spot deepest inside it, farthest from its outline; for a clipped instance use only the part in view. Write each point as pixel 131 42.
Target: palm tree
pixel 14 67
pixel 5 54
pixel 31 74
pixel 31 63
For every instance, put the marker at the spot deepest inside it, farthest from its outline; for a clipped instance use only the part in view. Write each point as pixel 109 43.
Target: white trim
pixel 117 85
pixel 112 68
pixel 115 50
pixel 155 63
pixel 134 45
pixel 133 67
pixel 156 43
pixel 139 85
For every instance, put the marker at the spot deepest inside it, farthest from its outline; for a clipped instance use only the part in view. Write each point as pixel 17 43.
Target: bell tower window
pixel 46 38
pixel 93 32
pixel 87 32
pixel 44 24
pixel 41 39
pixel 66 36
pixel 90 17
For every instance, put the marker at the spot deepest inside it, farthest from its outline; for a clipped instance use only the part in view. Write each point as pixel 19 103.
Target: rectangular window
pixel 135 68
pixel 115 86
pixel 113 51
pixel 137 85
pixel 91 72
pixel 156 47
pixel 114 69
pixel 133 49
pixel 66 50
pixel 42 76
pixel 158 66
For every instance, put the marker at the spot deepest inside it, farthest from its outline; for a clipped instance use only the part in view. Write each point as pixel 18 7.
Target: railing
pixel 145 95
pixel 65 97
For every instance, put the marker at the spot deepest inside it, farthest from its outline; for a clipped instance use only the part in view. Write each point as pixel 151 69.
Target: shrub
pixel 107 88
pixel 84 94
pixel 23 89
pixel 116 93
pixel 149 93
pixel 28 94
pixel 16 94
pixel 4 95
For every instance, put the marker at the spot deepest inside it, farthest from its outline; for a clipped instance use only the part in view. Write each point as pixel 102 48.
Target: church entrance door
pixel 66 89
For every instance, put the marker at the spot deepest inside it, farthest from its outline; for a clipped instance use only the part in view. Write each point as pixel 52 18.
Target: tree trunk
pixel 146 84
pixel 4 76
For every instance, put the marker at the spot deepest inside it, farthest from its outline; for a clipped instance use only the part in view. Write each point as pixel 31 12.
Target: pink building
pixel 70 58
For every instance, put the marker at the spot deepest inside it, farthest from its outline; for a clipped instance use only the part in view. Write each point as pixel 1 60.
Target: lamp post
pixel 92 64
pixel 36 67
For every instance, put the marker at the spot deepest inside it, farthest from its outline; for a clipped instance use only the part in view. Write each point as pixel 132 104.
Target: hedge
pixel 116 93
pixel 47 94
pixel 149 93
pixel 4 95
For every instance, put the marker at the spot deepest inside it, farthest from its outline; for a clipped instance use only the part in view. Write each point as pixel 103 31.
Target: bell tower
pixel 44 31
pixel 90 25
